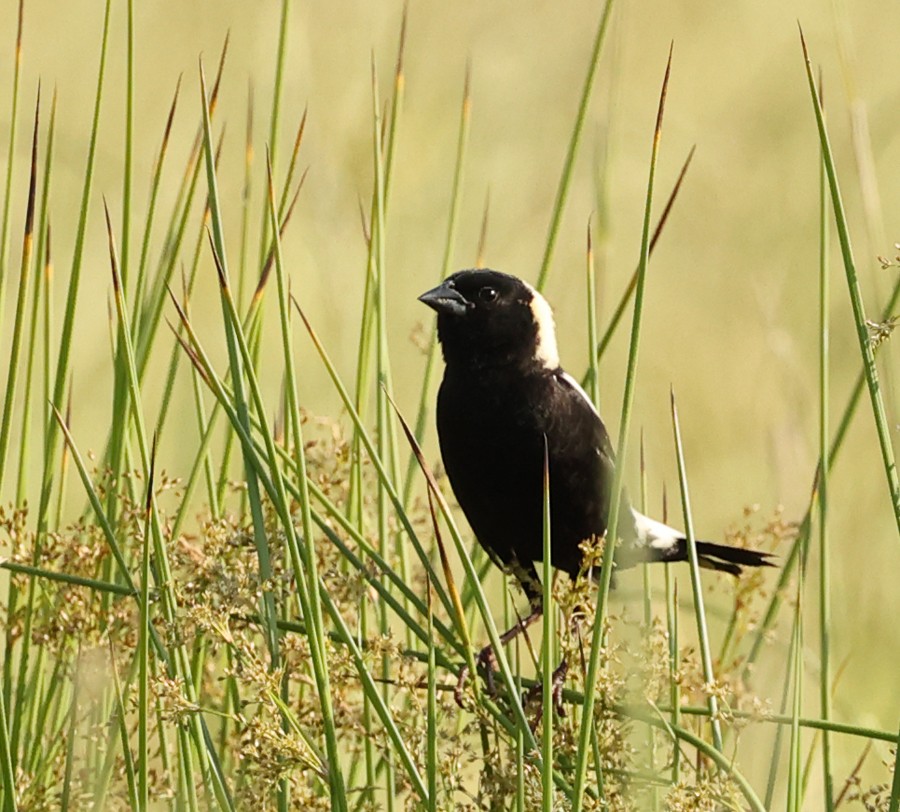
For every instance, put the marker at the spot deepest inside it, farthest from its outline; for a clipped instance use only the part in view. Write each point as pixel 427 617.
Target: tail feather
pixel 723 558
pixel 660 542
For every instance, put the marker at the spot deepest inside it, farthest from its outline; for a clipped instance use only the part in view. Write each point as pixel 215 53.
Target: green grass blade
pixel 21 300
pixel 51 436
pixel 71 738
pixel 211 767
pixel 151 308
pixel 825 618
pixel 674 658
pixel 619 312
pixel 462 140
pixel 859 313
pixel 127 171
pixel 647 601
pixel 509 681
pixel 119 718
pixel 62 364
pixel 895 784
pixel 562 190
pixel 584 733
pixel 6 762
pixel 144 645
pixel 377 461
pixel 274 119
pixel 67 578
pixel 697 585
pixel 336 783
pixel 549 648
pixel 42 269
pixel 593 377
pixel 140 284
pixel 431 723
pixel 800 543
pixel 384 152
pixel 74 281
pixel 10 156
pixel 384 435
pixel 795 777
pixel 246 197
pixel 237 377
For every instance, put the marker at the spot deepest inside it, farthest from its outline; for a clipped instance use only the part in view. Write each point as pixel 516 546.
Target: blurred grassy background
pixel 731 313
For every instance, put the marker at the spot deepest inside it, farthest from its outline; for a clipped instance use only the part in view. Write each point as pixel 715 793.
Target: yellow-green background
pixel 731 311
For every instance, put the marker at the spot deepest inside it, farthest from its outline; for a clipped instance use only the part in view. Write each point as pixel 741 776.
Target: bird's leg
pixel 531 585
pixel 486 658
pixel 557 682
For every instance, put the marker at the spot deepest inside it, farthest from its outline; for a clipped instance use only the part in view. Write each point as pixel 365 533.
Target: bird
pixel 503 400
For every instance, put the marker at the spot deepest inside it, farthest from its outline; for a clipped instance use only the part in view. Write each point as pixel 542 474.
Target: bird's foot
pixel 486 661
pixel 536 692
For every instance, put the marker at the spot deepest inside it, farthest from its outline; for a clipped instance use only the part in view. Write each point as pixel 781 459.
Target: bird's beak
pixel 446 299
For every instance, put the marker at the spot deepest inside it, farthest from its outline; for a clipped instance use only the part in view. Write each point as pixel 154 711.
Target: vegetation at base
pixel 283 623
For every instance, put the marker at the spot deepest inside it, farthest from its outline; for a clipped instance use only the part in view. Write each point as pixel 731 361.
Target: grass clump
pixel 281 621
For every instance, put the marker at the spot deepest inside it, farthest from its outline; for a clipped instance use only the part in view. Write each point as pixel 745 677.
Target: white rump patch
pixel 545 351
pixel 654 534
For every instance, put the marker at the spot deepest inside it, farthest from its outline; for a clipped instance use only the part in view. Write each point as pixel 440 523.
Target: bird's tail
pixel 659 542
pixel 722 557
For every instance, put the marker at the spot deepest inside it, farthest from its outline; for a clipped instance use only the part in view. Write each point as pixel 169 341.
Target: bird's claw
pixel 484 660
pixel 557 683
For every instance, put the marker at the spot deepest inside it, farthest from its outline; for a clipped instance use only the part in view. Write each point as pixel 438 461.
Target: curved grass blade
pixel 587 719
pixel 859 313
pixel 632 283
pixel 800 542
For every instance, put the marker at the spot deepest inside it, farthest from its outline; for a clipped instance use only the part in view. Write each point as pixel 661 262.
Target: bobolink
pixel 503 392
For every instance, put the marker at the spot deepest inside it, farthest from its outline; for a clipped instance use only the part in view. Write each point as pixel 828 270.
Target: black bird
pixel 503 392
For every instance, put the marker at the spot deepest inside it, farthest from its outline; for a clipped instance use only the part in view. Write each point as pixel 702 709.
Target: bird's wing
pixel 604 444
pixel 649 539
pixel 604 449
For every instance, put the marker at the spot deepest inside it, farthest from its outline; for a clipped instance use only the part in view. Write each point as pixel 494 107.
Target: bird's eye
pixel 487 294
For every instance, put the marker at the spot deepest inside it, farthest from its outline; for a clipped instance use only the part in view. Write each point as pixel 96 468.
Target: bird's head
pixel 488 318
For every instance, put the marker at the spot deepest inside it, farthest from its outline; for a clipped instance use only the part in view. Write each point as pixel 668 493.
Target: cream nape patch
pixel 545 350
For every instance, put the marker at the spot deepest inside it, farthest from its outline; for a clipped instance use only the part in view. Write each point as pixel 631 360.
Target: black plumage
pixel 502 393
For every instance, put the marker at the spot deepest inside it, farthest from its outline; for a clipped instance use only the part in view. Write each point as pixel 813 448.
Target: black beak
pixel 446 299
